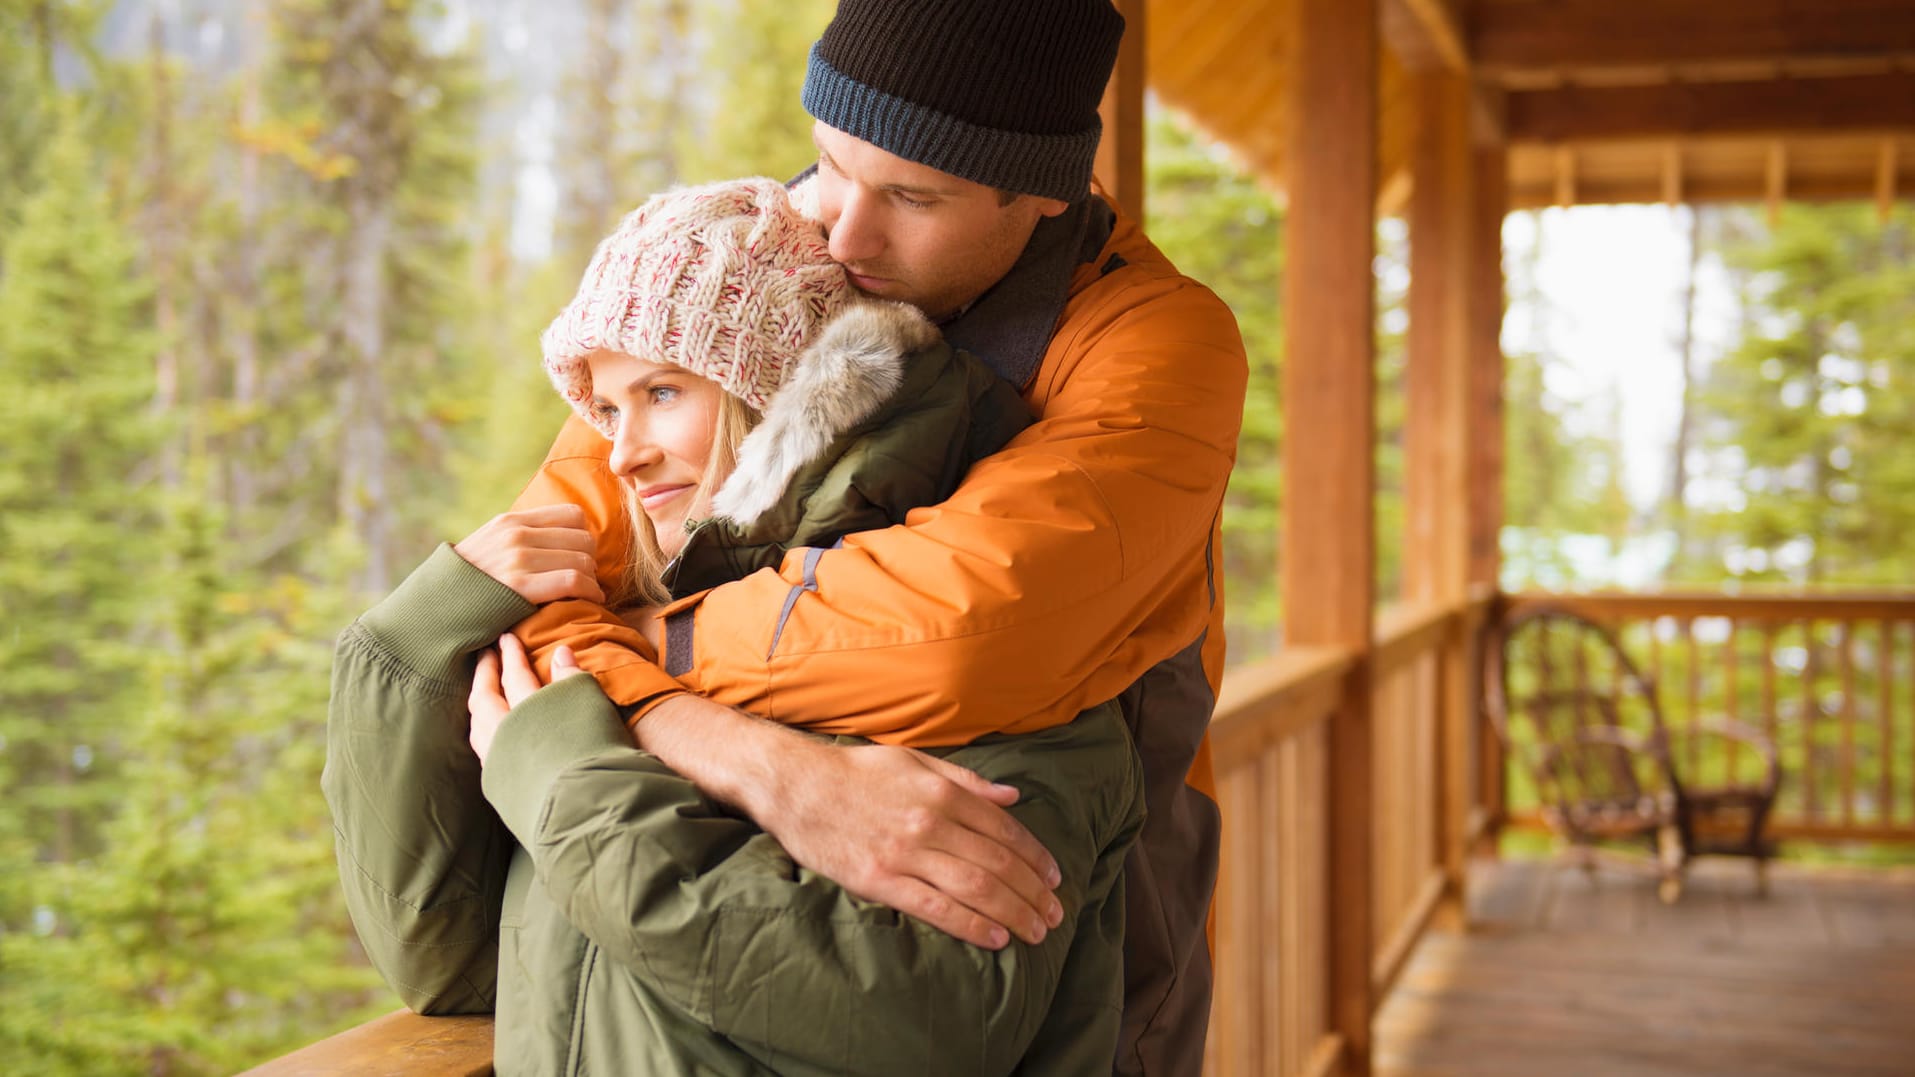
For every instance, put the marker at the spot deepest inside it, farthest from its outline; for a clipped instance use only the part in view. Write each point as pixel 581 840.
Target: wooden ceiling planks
pixel 1221 63
pixel 1779 106
pixel 1586 35
pixel 1630 100
pixel 1822 168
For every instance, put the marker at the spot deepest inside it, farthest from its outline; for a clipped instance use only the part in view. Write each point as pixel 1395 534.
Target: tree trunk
pixel 1678 496
pixel 366 495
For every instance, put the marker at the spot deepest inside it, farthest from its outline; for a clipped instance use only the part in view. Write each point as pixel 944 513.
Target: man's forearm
pixel 731 756
pixel 888 824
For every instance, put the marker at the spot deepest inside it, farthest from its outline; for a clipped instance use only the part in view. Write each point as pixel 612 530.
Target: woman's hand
pixel 544 554
pixel 504 678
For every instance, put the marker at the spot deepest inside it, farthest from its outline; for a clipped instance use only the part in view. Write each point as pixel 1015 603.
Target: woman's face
pixel 666 418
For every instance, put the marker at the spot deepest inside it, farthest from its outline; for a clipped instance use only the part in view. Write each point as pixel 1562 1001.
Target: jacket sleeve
pixel 1060 570
pixel 709 912
pixel 422 856
pixel 575 471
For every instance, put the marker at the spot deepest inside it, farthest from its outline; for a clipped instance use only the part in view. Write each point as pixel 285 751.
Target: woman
pixel 633 925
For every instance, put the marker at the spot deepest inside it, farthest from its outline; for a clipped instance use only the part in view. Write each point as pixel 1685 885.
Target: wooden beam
pixel 1768 107
pixel 1437 451
pixel 1647 189
pixel 1393 194
pixel 1438 344
pixel 1886 170
pixel 1425 35
pixel 1329 469
pixel 1489 114
pixel 1672 174
pixel 1776 187
pixel 1565 176
pixel 1569 36
pixel 1489 205
pixel 1120 152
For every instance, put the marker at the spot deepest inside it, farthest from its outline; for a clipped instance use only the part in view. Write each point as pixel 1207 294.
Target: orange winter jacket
pixel 1076 565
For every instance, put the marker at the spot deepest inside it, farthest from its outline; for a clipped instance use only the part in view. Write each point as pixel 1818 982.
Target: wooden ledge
pixel 401 1044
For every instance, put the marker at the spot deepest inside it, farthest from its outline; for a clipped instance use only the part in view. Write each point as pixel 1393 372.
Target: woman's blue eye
pixel 603 411
pixel 664 394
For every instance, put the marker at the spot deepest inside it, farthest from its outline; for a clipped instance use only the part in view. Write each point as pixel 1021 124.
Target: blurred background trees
pixel 271 279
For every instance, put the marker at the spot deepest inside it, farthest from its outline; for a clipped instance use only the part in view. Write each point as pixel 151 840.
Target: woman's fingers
pixel 516 673
pixel 545 554
pixel 485 704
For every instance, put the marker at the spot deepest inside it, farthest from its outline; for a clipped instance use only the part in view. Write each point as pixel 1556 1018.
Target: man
pixel 955 140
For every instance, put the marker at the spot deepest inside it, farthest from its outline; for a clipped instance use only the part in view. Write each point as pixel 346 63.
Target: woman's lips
pixel 653 497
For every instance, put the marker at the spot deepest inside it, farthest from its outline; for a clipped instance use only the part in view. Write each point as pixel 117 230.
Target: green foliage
pixel 32 33
pixel 169 952
pixel 1806 469
pixel 753 57
pixel 1217 226
pixel 372 130
pixel 75 431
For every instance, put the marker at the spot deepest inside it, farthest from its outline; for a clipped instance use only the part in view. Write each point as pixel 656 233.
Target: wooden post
pixel 1120 153
pixel 1490 204
pixel 1436 438
pixel 1435 433
pixel 1329 475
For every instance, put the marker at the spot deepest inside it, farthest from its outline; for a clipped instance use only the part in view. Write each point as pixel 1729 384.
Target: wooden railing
pixel 1272 1009
pixel 1829 680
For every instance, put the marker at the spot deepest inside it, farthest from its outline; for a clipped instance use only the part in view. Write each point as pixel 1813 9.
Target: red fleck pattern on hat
pixel 726 280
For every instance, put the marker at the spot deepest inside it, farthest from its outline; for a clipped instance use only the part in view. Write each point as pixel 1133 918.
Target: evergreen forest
pixel 271 280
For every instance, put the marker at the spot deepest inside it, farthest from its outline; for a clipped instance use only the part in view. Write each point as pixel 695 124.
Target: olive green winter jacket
pixel 618 921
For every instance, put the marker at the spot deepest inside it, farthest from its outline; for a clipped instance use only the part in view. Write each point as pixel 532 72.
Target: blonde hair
pixel 644 583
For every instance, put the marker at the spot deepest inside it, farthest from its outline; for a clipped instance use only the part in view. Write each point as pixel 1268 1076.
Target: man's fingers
pixel 564 664
pixel 994 823
pixel 991 881
pixel 1001 795
pixel 920 901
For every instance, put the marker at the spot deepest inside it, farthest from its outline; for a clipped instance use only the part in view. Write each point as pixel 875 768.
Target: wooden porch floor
pixel 1569 975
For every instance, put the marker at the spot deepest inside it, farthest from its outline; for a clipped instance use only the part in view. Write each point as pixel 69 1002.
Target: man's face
pixel 907 232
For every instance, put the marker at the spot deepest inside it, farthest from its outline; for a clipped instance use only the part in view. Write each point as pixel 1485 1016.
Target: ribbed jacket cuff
pixel 556 727
pixel 445 610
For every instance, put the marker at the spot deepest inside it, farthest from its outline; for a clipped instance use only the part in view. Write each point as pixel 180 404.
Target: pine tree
pixel 76 371
pixel 378 127
pixel 752 55
pixel 76 363
pixel 1806 421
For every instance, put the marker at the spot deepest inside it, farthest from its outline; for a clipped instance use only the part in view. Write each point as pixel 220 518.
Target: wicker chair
pixel 1565 699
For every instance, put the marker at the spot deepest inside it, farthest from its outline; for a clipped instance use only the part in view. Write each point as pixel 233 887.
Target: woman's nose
pixel 631 450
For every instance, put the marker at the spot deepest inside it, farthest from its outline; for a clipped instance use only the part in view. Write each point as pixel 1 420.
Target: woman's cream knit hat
pixel 726 280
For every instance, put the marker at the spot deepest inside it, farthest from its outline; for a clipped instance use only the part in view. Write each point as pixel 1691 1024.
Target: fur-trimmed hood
pixel 878 416
pixel 853 367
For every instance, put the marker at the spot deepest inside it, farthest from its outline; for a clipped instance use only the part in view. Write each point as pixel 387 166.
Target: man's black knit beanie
pixel 1001 92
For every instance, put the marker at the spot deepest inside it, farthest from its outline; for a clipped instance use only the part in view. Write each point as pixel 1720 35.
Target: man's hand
pixel 890 825
pixel 544 554
pixel 504 678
